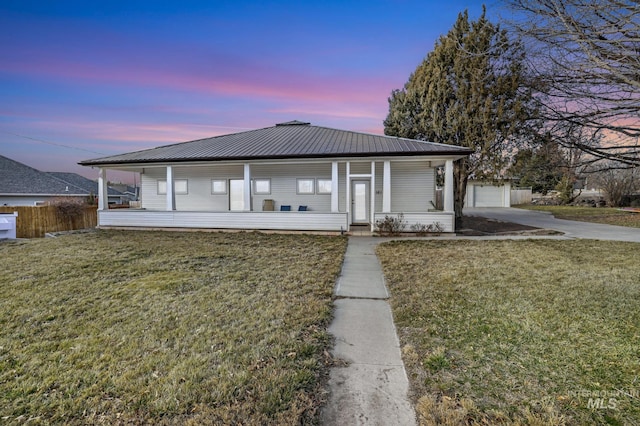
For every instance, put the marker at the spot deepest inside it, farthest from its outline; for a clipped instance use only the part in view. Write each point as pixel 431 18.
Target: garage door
pixel 488 196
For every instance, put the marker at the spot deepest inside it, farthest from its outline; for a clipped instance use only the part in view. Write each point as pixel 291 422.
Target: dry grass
pixel 165 328
pixel 518 332
pixel 608 216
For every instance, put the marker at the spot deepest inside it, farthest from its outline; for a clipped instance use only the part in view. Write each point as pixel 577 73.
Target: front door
pixel 236 195
pixel 360 201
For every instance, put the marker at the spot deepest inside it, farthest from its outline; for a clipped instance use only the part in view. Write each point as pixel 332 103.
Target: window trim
pixel 312 186
pixel 175 182
pixel 225 191
pixel 261 180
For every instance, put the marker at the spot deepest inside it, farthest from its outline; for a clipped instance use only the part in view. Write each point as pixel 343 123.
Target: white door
pixel 236 194
pixel 360 201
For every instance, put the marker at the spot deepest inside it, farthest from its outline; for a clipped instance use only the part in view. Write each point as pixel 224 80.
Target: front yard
pixel 518 332
pixel 118 327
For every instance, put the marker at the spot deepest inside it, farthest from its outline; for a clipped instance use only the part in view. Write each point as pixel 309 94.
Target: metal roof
pixel 294 139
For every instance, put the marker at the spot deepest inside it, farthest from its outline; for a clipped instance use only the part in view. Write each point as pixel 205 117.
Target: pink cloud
pixel 248 82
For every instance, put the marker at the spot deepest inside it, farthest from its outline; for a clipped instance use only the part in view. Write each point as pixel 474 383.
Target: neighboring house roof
pixel 19 179
pixel 293 139
pixel 87 185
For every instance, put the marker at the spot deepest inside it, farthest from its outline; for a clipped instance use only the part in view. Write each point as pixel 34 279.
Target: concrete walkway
pixel 372 388
pixel 571 228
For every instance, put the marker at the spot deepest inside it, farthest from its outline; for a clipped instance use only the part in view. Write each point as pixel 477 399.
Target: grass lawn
pixel 606 215
pixel 518 332
pixel 126 327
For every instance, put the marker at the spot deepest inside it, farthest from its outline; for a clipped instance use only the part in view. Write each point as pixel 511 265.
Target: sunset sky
pixel 84 79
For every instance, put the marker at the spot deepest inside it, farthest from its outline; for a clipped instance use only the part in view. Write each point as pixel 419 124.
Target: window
pixel 218 186
pixel 305 186
pixel 262 186
pixel 324 186
pixel 180 185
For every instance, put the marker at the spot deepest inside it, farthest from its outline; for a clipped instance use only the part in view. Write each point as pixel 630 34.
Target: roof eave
pixel 459 153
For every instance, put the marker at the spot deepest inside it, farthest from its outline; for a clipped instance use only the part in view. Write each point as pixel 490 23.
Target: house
pixel 21 185
pixel 291 176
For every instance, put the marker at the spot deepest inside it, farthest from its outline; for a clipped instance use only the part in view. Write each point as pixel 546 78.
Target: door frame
pixel 366 201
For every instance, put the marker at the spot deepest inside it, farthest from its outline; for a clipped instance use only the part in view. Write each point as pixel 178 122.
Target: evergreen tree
pixel 542 168
pixel 469 92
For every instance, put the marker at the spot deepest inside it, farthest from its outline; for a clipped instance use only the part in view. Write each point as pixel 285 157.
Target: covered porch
pixel 288 195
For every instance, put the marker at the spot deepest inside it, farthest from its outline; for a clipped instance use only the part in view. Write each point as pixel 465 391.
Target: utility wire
pixel 54 143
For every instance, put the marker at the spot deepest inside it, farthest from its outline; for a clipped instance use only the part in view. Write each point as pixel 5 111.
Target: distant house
pixel 21 185
pixel 291 176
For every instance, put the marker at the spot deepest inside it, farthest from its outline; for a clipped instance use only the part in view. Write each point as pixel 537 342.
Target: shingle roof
pixel 18 178
pixel 293 139
pixel 88 185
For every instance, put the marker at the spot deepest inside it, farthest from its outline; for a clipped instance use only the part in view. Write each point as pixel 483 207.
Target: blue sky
pixel 83 79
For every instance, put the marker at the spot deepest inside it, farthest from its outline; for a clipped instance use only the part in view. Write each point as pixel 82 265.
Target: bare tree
pixel 617 184
pixel 585 61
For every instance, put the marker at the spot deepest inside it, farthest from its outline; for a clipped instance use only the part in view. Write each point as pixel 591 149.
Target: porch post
pixel 247 187
pixel 171 190
pixel 348 192
pixel 386 187
pixel 103 200
pixel 448 186
pixel 334 187
pixel 373 195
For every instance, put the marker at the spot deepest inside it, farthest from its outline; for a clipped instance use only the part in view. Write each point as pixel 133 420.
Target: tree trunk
pixel 460 178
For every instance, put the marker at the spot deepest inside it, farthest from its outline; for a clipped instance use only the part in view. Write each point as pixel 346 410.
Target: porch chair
pixel 285 208
pixel 302 208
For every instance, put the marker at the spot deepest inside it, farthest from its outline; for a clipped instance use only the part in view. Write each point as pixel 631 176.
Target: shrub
pixel 422 230
pixel 69 209
pixel 391 225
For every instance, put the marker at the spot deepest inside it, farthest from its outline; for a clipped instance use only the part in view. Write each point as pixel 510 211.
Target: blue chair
pixel 285 208
pixel 302 208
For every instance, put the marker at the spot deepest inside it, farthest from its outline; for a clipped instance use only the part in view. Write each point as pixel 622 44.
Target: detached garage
pixel 488 194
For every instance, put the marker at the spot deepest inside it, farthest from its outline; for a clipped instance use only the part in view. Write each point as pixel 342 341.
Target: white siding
pixel 199 186
pixel 298 221
pixel 283 185
pixel 412 187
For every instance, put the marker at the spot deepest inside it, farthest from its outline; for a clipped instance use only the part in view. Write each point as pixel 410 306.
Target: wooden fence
pixel 34 222
pixel 520 196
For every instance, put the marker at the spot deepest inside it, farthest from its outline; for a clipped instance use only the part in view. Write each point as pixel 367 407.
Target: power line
pixel 54 143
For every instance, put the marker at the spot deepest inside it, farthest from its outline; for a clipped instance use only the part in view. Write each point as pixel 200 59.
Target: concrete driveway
pixel 571 228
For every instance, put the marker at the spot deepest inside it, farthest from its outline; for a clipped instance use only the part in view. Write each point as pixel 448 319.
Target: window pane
pixel 305 186
pixel 180 186
pixel 162 187
pixel 262 186
pixel 218 186
pixel 324 186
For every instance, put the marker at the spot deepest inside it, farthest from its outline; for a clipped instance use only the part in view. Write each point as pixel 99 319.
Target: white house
pixel 291 176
